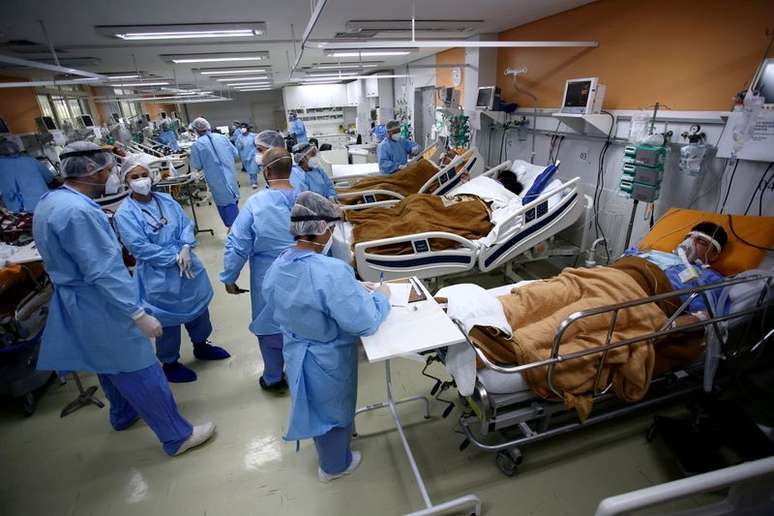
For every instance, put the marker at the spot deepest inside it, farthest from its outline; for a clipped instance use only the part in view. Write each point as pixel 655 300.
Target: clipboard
pixel 417 293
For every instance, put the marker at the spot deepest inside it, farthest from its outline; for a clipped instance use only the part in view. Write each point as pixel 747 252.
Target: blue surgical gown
pixel 215 155
pixel 314 180
pixel 89 326
pixel 260 233
pixel 297 179
pixel 23 180
pixel 393 155
pixel 322 310
pixel 171 298
pixel 169 138
pixel 245 144
pixel 298 128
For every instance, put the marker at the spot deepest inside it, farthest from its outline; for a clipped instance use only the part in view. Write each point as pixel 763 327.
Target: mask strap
pixel 705 236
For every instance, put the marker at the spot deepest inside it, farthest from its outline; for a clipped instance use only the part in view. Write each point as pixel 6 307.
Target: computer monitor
pixel 163 114
pixel 583 96
pixel 3 127
pixel 764 83
pixel 46 123
pixel 485 98
pixel 116 117
pixel 86 120
pixel 147 117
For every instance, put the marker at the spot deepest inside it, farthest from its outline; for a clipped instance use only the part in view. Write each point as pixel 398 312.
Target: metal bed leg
pixel 85 397
pixel 469 501
pixel 197 229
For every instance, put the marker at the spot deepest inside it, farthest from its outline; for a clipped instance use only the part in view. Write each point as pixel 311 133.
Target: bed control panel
pixel 421 246
pixel 444 178
pixel 369 198
pixel 536 212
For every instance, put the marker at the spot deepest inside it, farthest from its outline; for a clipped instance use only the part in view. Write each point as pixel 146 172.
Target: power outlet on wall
pixel 584 155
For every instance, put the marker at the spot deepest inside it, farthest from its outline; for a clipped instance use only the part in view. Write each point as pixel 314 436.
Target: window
pixel 63 107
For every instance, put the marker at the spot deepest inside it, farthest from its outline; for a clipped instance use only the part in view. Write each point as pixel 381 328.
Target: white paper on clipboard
pixel 400 293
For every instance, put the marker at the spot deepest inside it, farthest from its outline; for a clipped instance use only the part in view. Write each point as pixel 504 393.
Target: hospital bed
pixel 467 165
pixel 519 228
pixel 179 159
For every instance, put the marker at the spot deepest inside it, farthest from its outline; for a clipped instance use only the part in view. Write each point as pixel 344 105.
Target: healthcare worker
pixel 215 155
pixel 96 321
pixel 322 310
pixel 23 180
pixel 245 144
pixel 259 234
pixel 173 283
pixel 267 139
pixel 394 150
pixel 168 135
pixel 313 177
pixel 297 128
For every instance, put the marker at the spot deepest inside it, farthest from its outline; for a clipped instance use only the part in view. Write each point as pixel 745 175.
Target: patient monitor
pixel 583 96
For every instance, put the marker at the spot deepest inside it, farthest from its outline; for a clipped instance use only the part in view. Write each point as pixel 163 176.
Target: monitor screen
pixel 163 114
pixel 116 117
pixel 87 121
pixel 577 94
pixel 147 117
pixel 765 83
pixel 48 123
pixel 3 127
pixel 485 97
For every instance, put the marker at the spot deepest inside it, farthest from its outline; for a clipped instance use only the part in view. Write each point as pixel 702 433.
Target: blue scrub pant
pixel 333 450
pixel 228 213
pixel 146 393
pixel 273 361
pixel 168 345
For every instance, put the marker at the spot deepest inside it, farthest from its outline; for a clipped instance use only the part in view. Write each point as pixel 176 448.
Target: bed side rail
pixel 446 172
pixel 369 199
pixel 713 321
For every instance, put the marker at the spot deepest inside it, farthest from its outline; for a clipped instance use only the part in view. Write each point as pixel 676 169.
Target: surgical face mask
pixel 689 249
pixel 112 185
pixel 141 186
pixel 314 162
pixel 327 246
pixel 259 158
pixel 395 137
pixel 244 130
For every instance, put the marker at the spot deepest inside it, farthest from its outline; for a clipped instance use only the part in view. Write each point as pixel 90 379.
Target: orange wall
pixel 443 76
pixel 154 110
pixel 686 55
pixel 19 107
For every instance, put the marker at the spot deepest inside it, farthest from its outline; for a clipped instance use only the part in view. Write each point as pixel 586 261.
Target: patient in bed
pixel 466 212
pixel 536 310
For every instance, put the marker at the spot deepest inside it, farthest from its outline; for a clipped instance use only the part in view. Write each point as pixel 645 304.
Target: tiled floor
pixel 80 466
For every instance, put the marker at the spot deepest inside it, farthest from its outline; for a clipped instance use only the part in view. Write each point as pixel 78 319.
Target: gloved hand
pixel 383 289
pixel 149 325
pixel 184 262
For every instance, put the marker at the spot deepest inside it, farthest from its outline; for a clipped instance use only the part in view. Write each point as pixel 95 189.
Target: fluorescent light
pixel 261 83
pixel 235 71
pixel 340 74
pixel 361 47
pixel 239 33
pixel 253 89
pixel 139 84
pixel 343 66
pixel 237 79
pixel 215 60
pixel 349 53
pixel 120 77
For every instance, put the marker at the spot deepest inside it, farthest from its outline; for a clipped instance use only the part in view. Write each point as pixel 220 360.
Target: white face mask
pixel 141 186
pixel 395 137
pixel 259 158
pixel 244 130
pixel 689 249
pixel 314 162
pixel 328 244
pixel 112 185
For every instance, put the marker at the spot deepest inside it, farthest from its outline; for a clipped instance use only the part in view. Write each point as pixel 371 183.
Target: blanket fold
pixel 405 181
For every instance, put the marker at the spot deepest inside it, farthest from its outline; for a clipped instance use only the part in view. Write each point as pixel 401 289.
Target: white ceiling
pixel 70 24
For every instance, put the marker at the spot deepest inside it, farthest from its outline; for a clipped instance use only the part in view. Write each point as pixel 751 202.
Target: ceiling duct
pixel 27 47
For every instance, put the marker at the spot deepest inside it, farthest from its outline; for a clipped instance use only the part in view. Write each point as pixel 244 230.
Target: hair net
pixel 392 124
pixel 302 150
pixel 312 214
pixel 9 148
pixel 135 160
pixel 201 124
pixel 269 139
pixel 81 159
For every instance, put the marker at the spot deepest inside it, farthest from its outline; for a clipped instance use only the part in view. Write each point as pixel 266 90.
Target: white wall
pixel 678 189
pixel 262 109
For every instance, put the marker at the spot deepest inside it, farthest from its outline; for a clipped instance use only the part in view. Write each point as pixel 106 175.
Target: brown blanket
pixel 467 217
pixel 406 181
pixel 535 312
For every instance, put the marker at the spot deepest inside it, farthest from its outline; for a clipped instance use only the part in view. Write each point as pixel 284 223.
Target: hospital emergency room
pixel 328 257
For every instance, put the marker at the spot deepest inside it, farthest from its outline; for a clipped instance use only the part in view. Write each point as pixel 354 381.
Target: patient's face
pixel 705 250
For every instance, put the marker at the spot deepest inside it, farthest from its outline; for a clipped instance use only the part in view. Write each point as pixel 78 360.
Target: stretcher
pixel 503 414
pixel 556 209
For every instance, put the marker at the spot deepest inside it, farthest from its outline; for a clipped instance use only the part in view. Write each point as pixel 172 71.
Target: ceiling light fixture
pixel 139 84
pixel 262 83
pixel 343 66
pixel 237 79
pixel 122 77
pixel 233 72
pixel 367 53
pixel 215 57
pixel 253 89
pixel 362 47
pixel 183 31
pixel 215 60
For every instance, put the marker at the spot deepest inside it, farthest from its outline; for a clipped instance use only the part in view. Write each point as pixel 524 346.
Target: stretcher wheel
pixel 506 464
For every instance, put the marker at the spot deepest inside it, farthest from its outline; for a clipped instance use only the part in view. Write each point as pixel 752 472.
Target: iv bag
pixel 691 157
pixel 744 128
pixel 638 130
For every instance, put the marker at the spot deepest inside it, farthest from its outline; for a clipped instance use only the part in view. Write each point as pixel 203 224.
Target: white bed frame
pixel 448 176
pixel 534 222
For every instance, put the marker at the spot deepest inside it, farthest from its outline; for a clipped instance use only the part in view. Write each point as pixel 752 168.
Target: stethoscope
pixel 157 223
